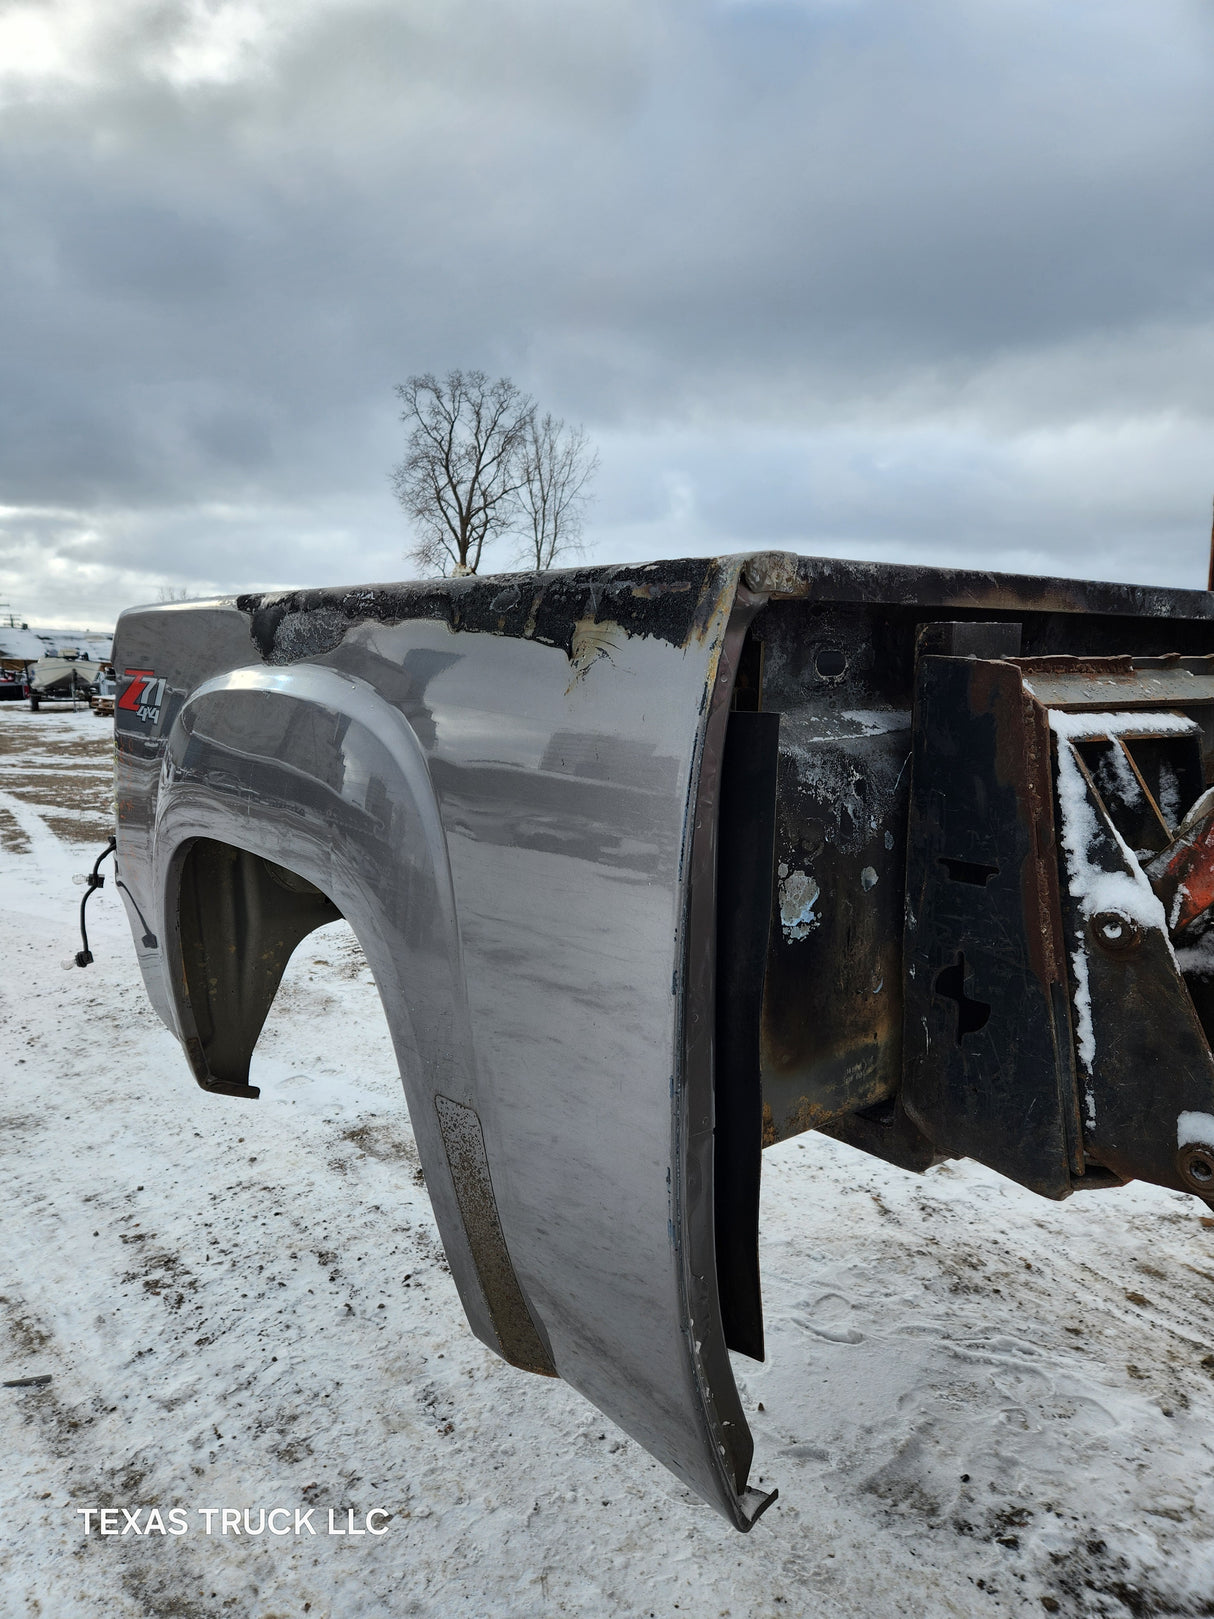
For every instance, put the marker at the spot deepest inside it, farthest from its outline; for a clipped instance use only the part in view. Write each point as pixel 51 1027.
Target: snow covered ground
pixel 975 1402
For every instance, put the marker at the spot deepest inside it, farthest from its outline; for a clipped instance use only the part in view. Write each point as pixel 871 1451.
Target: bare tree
pixel 557 465
pixel 463 464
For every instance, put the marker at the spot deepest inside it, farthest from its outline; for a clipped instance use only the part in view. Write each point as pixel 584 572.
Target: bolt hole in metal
pixel 1196 1165
pixel 830 663
pixel 1115 931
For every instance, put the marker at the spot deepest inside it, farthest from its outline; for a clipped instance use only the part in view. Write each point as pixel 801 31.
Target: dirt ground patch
pixel 11 835
pixel 61 770
pixel 16 738
pixel 80 828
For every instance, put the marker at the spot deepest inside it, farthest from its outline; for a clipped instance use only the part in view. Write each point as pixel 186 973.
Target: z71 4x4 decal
pixel 144 695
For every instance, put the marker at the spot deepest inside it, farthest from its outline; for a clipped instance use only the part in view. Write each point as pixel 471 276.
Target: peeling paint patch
pixel 591 642
pixel 799 893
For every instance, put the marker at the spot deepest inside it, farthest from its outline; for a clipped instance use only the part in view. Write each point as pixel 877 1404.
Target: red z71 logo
pixel 144 694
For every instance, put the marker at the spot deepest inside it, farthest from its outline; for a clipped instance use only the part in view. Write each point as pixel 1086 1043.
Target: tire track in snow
pixel 33 825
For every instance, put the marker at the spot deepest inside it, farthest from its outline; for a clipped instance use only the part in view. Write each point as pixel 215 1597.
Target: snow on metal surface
pixel 1128 892
pixel 1195 1129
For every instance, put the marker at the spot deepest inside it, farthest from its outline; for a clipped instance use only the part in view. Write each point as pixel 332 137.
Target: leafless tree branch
pixel 481 462
pixel 463 463
pixel 558 463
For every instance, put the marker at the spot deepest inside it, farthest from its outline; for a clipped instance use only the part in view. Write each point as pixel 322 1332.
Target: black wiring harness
pixel 93 881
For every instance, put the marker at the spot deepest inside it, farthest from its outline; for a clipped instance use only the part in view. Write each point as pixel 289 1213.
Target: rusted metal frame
pixel 830 579
pixel 831 1029
pixel 1151 1060
pixel 990 1076
pixel 1157 826
pixel 832 1020
pixel 1103 684
pixel 1184 757
pixel 1044 874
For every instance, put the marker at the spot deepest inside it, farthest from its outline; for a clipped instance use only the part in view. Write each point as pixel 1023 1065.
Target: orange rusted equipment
pixel 1183 874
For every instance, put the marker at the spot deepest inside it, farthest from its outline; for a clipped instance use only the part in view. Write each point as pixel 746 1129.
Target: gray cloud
pixel 914 280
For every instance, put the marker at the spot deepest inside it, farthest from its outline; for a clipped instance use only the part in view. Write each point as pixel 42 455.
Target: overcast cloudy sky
pixel 931 282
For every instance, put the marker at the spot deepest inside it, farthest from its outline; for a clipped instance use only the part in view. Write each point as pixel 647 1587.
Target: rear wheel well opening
pixel 239 918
